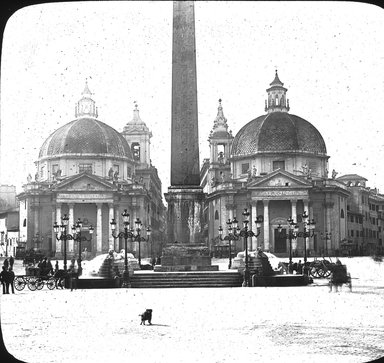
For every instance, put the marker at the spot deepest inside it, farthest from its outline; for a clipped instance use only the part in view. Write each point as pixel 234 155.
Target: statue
pixel 221 157
pixel 29 178
pixel 213 181
pixel 37 176
pixel 334 173
pixel 249 174
pixel 110 173
pixel 116 175
pixel 254 171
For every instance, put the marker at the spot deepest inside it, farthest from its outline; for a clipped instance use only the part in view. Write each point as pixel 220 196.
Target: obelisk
pixel 185 197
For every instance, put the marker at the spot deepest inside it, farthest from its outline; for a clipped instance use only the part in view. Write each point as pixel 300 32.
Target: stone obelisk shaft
pixel 185 197
pixel 185 143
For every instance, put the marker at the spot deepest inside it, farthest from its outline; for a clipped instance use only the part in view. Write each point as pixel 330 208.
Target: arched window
pixel 135 148
pixel 217 215
pixel 342 213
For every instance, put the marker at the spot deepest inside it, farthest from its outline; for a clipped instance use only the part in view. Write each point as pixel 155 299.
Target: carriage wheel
pixel 32 283
pixel 39 283
pixel 19 283
pixel 313 271
pixel 327 273
pixel 51 283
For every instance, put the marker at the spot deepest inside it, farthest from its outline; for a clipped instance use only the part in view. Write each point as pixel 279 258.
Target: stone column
pixel 111 216
pixel 58 220
pixel 294 217
pixel 70 224
pixel 99 229
pixel 254 227
pixel 266 225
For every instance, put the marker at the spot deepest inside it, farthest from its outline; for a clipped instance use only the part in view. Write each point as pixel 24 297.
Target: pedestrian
pixel 299 268
pixel 72 275
pixel 11 276
pixel 4 275
pixel 56 266
pixel 49 267
pixel 11 261
pixel 6 263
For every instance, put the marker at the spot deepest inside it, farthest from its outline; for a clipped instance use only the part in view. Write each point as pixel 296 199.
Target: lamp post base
pixel 126 283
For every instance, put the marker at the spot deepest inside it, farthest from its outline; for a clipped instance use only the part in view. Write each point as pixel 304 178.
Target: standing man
pixel 11 262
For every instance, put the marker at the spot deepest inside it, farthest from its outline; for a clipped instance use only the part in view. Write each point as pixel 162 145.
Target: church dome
pixel 85 135
pixel 278 132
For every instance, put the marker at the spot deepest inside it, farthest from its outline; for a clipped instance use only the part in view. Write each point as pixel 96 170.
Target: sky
pixel 330 56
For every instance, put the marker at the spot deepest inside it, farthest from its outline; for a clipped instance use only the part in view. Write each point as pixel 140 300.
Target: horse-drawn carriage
pixel 35 279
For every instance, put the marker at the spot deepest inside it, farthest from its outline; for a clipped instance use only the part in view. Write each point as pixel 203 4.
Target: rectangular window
pixel 351 232
pixel 279 164
pixel 129 171
pixel 85 168
pixel 55 167
pixel 244 168
pixel 352 219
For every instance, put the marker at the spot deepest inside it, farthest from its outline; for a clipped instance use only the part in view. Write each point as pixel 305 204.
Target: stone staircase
pixel 185 279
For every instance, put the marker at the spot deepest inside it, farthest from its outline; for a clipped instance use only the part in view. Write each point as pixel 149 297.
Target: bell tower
pixel 220 143
pixel 138 137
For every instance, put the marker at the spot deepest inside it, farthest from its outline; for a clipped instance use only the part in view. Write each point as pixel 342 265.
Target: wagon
pixel 340 276
pixel 35 281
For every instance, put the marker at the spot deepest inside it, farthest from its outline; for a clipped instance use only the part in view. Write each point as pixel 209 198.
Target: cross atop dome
pixel 277 98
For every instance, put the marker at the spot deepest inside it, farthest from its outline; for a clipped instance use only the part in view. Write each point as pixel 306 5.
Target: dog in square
pixel 146 316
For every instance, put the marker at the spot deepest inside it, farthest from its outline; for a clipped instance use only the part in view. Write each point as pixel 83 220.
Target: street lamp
pixel 76 231
pixel 293 229
pixel 128 233
pixel 309 231
pixel 64 236
pixel 232 226
pixel 235 233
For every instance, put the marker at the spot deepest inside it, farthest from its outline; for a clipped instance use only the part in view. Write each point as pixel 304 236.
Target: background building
pixel 88 170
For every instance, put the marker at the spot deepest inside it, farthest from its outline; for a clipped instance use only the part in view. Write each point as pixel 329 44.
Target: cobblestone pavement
pixel 200 325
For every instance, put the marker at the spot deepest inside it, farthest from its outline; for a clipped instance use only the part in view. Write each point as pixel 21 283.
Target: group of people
pixel 7 275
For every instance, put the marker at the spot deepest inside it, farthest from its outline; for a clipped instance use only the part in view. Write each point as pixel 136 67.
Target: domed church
pixel 275 167
pixel 88 170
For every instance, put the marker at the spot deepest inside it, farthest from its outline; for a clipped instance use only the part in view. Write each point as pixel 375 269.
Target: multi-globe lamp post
pixel 309 231
pixel 76 231
pixel 293 229
pixel 235 233
pixel 76 236
pixel 128 232
pixel 233 230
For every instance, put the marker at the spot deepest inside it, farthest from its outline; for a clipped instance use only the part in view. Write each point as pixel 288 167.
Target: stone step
pixel 180 280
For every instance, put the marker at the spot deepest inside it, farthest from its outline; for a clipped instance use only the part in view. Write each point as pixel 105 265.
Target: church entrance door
pixel 280 241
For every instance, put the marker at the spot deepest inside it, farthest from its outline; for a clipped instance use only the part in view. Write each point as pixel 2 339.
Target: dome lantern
pixel 277 99
pixel 86 106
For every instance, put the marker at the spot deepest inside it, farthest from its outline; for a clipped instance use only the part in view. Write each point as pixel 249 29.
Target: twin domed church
pixel 276 167
pixel 88 170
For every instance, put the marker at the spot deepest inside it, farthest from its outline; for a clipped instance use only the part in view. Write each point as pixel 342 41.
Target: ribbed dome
pixel 85 136
pixel 278 132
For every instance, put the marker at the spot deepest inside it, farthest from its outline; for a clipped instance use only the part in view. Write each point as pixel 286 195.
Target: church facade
pixel 88 170
pixel 276 167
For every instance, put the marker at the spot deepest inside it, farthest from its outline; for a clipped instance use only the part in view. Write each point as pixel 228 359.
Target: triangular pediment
pixel 85 181
pixel 279 178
